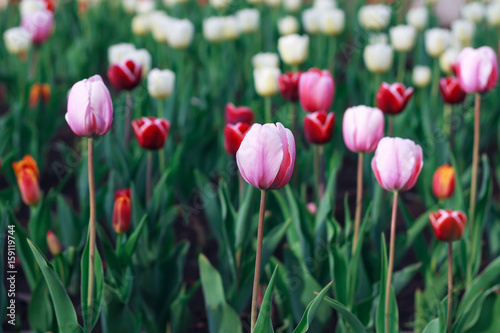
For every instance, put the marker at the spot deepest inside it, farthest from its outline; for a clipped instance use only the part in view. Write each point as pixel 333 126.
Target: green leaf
pixel 349 317
pixel 264 323
pixel 65 312
pixel 40 311
pixel 98 287
pixel 40 221
pixel 380 323
pixel 243 220
pixel 488 320
pixel 432 327
pixel 131 243
pixel 272 240
pixel 306 321
pixel 70 230
pixel 116 315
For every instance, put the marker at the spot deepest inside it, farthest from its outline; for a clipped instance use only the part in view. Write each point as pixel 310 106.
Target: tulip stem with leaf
pixel 450 287
pixel 359 201
pixel 268 110
pixel 401 67
pixel 148 176
pixel 391 263
pixel 128 117
pixel 92 230
pixel 319 171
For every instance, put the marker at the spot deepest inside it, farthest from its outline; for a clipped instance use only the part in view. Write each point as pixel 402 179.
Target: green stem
pixel 119 241
pixel 332 53
pixel 450 286
pixel 148 176
pixel 391 264
pixel 359 202
pixel 92 227
pixel 293 116
pixel 447 113
pixel 128 117
pixel 401 67
pixel 435 80
pixel 376 83
pixel 268 110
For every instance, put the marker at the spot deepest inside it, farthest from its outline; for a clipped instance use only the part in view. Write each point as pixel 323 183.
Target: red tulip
pixel 238 114
pixel 316 90
pixel 392 98
pixel 233 135
pixel 289 86
pixel 53 243
pixel 151 132
pixel 318 126
pixel 450 90
pixel 448 225
pixel 443 182
pixel 28 177
pixel 121 211
pixel 125 75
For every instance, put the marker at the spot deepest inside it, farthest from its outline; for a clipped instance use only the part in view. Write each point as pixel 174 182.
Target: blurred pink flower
pixel 362 127
pixel 477 69
pixel 39 24
pixel 316 90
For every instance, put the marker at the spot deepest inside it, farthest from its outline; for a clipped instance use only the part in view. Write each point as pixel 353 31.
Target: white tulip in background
pixel 213 29
pixel 437 41
pixel 493 14
pixel 447 59
pixel 463 31
pixel 288 25
pixel 160 24
pixel 31 6
pixel 129 6
pixel 378 58
pixel 118 52
pixel 310 20
pixel 374 17
pixel 293 49
pixel 378 38
pixel 231 29
pixel 421 76
pixel 143 57
pixel 324 4
pixel 265 60
pixel 266 81
pixel 417 17
pixel 292 6
pixel 248 20
pixel 180 33
pixel 403 37
pixel 332 22
pixel 473 11
pixel 17 40
pixel 144 6
pixel 141 24
pixel 160 83
pixel 219 4
pixel 273 3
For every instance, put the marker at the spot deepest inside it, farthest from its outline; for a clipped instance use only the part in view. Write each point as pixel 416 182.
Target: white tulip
pixel 219 4
pixel 378 38
pixel 141 24
pixel 248 20
pixel 144 6
pixel 180 33
pixel 447 59
pixel 142 57
pixel 264 60
pixel 374 17
pixel 292 6
pixel 160 27
pixel 417 17
pixel 161 83
pixel 266 81
pixel 463 31
pixel 231 28
pixel 129 6
pixel 421 76
pixel 310 20
pixel 378 58
pixel 324 4
pixel 332 22
pixel 293 49
pixel 17 40
pixel 213 29
pixel 272 3
pixel 288 25
pixel 403 37
pixel 473 11
pixel 31 6
pixel 493 14
pixel 3 5
pixel 437 41
pixel 118 52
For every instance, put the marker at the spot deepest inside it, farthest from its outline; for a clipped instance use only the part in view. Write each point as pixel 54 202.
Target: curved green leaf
pixel 311 308
pixel 349 317
pixel 264 323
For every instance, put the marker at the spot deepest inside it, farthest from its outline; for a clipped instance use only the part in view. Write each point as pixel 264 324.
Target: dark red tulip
pixel 233 135
pixel 122 211
pixel 318 127
pixel 393 98
pixel 450 90
pixel 448 225
pixel 151 132
pixel 125 75
pixel 289 86
pixel 238 114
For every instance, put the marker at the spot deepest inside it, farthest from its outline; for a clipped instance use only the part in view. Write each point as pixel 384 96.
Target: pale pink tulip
pixel 39 24
pixel 477 69
pixel 363 127
pixel 316 90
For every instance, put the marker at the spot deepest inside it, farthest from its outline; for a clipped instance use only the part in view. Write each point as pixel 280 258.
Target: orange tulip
pixel 121 211
pixel 39 91
pixel 443 182
pixel 53 243
pixel 28 177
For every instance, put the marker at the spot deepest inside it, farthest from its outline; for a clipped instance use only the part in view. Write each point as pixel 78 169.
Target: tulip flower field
pixel 260 166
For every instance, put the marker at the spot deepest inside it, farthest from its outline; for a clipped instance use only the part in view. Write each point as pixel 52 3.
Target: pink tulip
pixel 363 127
pixel 477 69
pixel 397 163
pixel 316 90
pixel 90 110
pixel 266 156
pixel 39 24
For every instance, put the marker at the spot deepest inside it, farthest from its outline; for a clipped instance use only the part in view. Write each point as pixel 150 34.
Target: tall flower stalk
pixel 92 228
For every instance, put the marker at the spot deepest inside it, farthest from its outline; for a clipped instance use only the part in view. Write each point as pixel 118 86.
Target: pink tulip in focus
pixel 39 24
pixel 397 163
pixel 316 90
pixel 363 127
pixel 477 69
pixel 266 156
pixel 90 110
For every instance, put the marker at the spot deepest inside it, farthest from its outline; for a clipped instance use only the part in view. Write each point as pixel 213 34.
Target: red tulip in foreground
pixel 125 75
pixel 238 114
pixel 450 90
pixel 393 98
pixel 443 182
pixel 265 159
pixel 28 176
pixel 318 127
pixel 233 136
pixel 39 24
pixel 396 165
pixel 151 132
pixel 53 244
pixel 316 90
pixel 289 86
pixel 362 128
pixel 122 211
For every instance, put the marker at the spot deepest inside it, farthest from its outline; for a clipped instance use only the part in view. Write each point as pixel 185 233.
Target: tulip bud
pixel 288 25
pixel 443 182
pixel 493 14
pixel 140 25
pixel 90 110
pixel 437 41
pixel 17 41
pixel 240 114
pixel 151 133
pixel 231 29
pixel 450 90
pixel 122 211
pixel 293 49
pixel 474 12
pixel 118 52
pixel 264 60
pixel 332 22
pixel 219 4
pixel 213 29
pixel 28 176
pixel 463 31
pixel 160 26
pixel 312 208
pixel 477 69
pixel 316 90
pixel 417 17
pixel 324 4
pixel 266 156
pixel 143 58
pixel 403 37
pixel 447 60
pixel 53 244
pixel 362 128
pixel 378 58
pixel 233 135
pixel 393 98
pixel 249 20
pixel 39 24
pixel 289 86
pixel 397 163
pixel 310 20
pixel 39 91
pixel 421 76
pixel 128 5
pixel 292 6
pixel 266 81
pixel 144 6
pixel 161 83
pixel 180 33
pixel 318 127
pixel 125 75
pixel 374 17
pixel 448 225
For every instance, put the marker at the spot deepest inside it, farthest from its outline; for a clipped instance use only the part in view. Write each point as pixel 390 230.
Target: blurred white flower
pixel 144 6
pixel 159 26
pixel 310 20
pixel 378 58
pixel 447 59
pixel 248 20
pixel 219 4
pixel 332 22
pixel 180 33
pixel 17 40
pixel 493 14
pixel 463 31
pixel 324 4
pixel 403 37
pixel 140 24
pixel 161 83
pixel 421 76
pixel 273 3
pixel 288 25
pixel 142 57
pixel 374 17
pixel 265 59
pixel 118 52
pixel 266 81
pixel 437 41
pixel 129 6
pixel 378 38
pixel 417 17
pixel 213 29
pixel 292 6
pixel 473 11
pixel 31 6
pixel 293 49
pixel 231 28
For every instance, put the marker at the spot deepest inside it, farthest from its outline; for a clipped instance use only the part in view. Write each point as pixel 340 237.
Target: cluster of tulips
pixel 275 144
